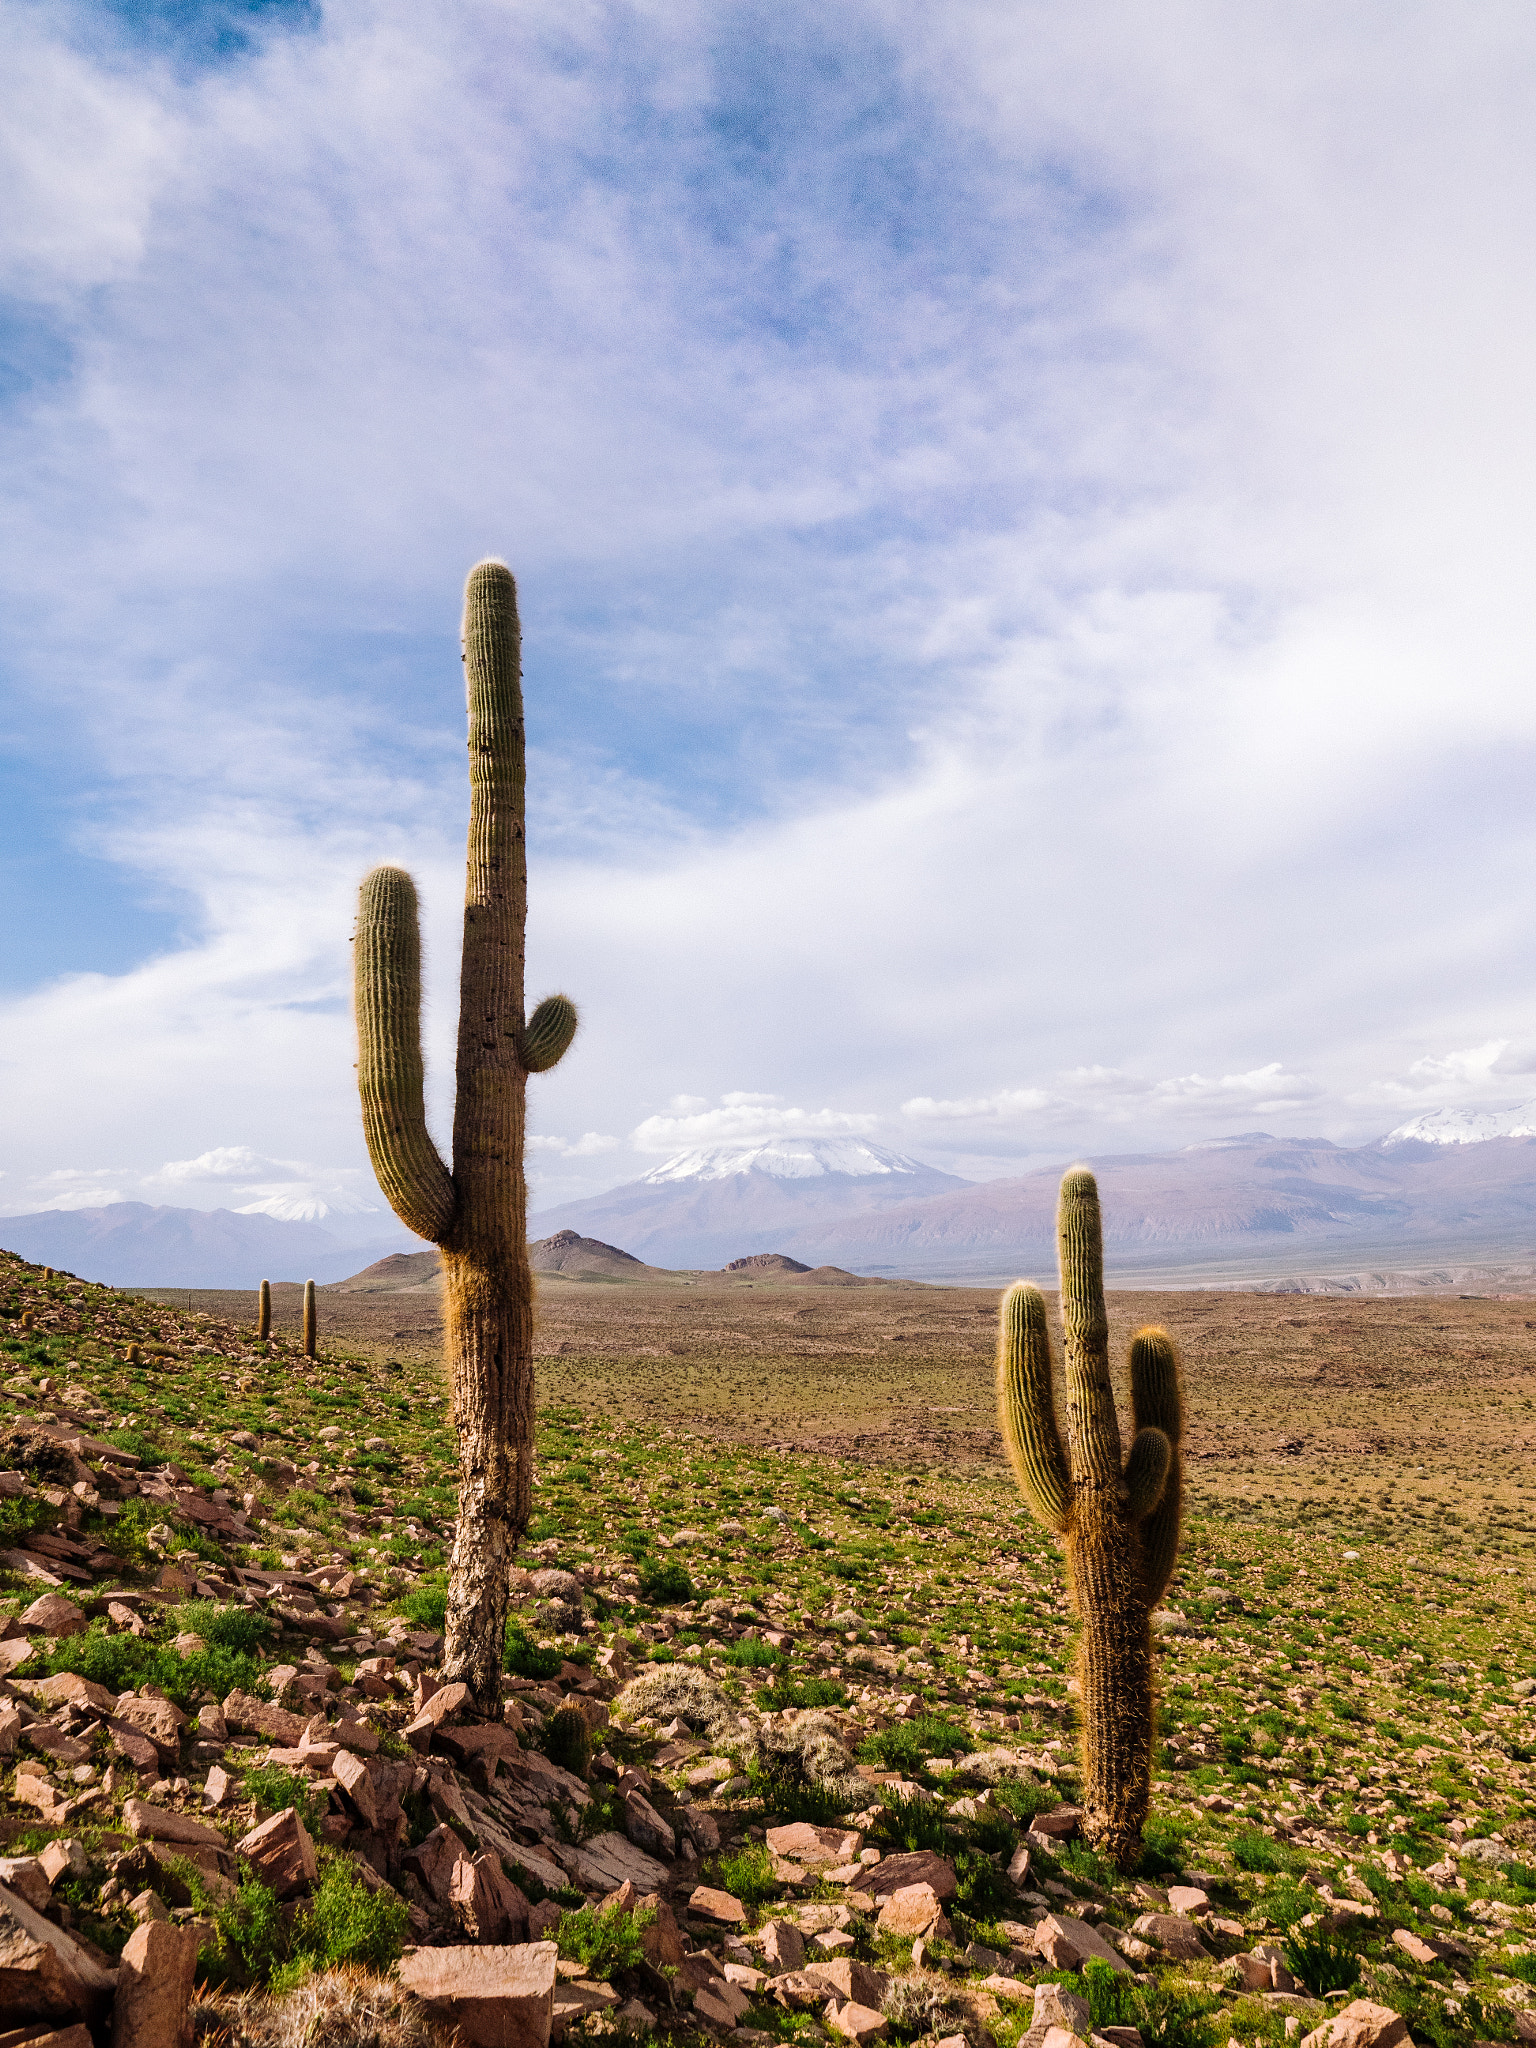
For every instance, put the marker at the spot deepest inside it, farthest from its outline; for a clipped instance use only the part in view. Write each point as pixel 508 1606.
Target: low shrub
pixel 908 1821
pixel 904 1746
pixel 526 1659
pixel 664 1582
pixel 275 1788
pixel 1255 1852
pixel 751 1655
pixel 1320 1961
pixel 426 1605
pixel 800 1693
pixel 123 1663
pixel 347 1922
pixel 604 1939
pixel 242 1629
pixel 748 1875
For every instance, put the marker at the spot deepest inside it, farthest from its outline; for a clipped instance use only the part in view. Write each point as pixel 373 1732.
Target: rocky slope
pixel 780 1754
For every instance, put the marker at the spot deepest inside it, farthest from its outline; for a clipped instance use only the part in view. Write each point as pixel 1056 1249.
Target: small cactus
pixel 477 1212
pixel 264 1312
pixel 310 1319
pixel 1120 1524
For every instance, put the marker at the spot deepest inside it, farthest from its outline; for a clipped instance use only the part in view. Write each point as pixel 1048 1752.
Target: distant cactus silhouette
pixel 311 1320
pixel 478 1212
pixel 264 1312
pixel 1121 1526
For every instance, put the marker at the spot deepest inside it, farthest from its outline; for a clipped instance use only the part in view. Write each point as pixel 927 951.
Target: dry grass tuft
pixel 668 1692
pixel 339 2009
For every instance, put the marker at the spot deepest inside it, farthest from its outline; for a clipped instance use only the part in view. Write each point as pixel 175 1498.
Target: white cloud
pixel 743 1118
pixel 975 655
pixel 590 1145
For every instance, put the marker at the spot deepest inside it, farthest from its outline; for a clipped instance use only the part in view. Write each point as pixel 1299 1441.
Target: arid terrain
pixel 1410 1418
pixel 771 1524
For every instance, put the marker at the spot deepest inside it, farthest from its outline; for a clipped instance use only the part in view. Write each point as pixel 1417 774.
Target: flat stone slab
pixel 495 1997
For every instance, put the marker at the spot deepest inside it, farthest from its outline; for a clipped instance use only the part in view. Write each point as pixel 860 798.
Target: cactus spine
pixel 264 1312
pixel 477 1213
pixel 310 1319
pixel 1120 1526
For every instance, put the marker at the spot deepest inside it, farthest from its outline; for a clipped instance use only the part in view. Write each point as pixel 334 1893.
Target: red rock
pixel 1360 2025
pixel 800 1842
pixel 1067 1943
pixel 45 1974
pixel 920 1866
pixel 447 1701
pixel 159 1824
pixel 133 1747
pixel 283 1854
pixel 783 1945
pixel 53 1615
pixel 499 1997
pixel 853 1981
pixel 247 1715
pixel 26 1877
pixel 491 1907
pixel 912 1911
pixel 860 2023
pixel 646 1829
pixel 433 1861
pixel 154 1987
pixel 68 1685
pixel 67 2037
pixel 1174 1936
pixel 718 1906
pixel 352 1776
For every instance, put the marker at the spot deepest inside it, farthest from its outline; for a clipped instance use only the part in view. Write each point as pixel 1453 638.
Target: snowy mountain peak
pixel 1466 1126
pixel 786 1159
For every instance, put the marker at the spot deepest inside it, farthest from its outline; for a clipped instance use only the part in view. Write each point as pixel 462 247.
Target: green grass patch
pixel 664 1582
pixel 604 1939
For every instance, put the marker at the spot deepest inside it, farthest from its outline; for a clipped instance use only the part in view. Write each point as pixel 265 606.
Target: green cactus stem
pixel 264 1312
pixel 1120 1523
pixel 311 1320
pixel 477 1211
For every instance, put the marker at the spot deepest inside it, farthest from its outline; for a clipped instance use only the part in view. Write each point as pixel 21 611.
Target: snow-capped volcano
pixel 788 1159
pixel 1465 1126
pixel 722 1202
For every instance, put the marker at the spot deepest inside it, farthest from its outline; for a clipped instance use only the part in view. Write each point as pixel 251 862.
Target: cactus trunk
pixel 477 1213
pixel 1120 1523
pixel 264 1312
pixel 311 1321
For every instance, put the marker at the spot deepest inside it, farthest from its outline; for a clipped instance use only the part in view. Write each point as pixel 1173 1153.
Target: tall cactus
pixel 311 1319
pixel 477 1213
pixel 1120 1524
pixel 264 1312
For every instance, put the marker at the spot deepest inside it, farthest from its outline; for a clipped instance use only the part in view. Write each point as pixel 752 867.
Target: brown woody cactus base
pixel 1120 1526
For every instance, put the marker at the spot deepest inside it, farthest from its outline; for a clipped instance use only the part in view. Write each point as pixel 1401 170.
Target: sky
pixel 1022 517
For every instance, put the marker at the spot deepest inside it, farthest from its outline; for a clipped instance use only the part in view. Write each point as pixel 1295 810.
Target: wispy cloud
pixel 741 1119
pixel 1024 583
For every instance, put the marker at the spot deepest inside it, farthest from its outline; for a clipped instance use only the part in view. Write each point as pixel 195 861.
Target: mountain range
pixel 1445 1188
pixel 139 1244
pixel 1247 1207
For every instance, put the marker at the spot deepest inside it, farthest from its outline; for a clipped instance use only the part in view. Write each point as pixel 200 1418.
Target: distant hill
pixel 766 1262
pixel 1240 1208
pixel 137 1244
pixel 702 1208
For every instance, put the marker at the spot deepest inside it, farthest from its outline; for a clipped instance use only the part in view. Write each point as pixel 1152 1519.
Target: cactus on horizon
pixel 311 1320
pixel 1120 1526
pixel 264 1312
pixel 477 1213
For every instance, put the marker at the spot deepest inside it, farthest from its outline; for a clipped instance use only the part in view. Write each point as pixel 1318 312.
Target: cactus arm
pixel 1093 1431
pixel 387 987
pixel 1158 1403
pixel 1026 1407
pixel 1146 1472
pixel 547 1036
